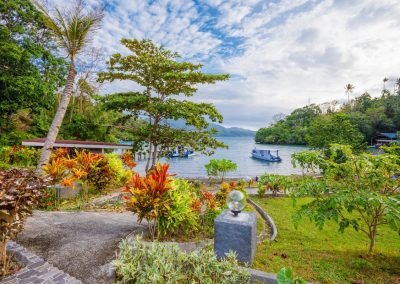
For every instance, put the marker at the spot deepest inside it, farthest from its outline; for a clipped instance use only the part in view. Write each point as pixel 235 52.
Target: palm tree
pixel 72 32
pixel 349 89
pixel 384 84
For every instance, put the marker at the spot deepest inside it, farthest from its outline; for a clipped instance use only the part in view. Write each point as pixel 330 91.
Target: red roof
pixel 76 142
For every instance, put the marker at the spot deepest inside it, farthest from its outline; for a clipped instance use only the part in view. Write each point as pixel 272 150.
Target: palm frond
pixel 71 30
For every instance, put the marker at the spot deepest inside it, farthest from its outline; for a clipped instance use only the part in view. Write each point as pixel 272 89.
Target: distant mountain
pixel 232 131
pixel 222 131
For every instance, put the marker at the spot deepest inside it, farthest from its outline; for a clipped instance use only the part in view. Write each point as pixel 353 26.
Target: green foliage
pixel 325 256
pixel 334 128
pixel 290 130
pixel 30 74
pixel 275 183
pixel 21 157
pixel 117 167
pixel 100 175
pixel 219 168
pixel 180 218
pixel 370 116
pixel 285 276
pixel 363 184
pixel 166 264
pixel 162 77
pixel 261 188
pixel 393 149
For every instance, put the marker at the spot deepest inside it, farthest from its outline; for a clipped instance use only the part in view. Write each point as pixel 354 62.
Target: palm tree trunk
pixel 57 120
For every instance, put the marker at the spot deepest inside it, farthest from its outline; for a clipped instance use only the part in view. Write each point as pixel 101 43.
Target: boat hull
pixel 268 159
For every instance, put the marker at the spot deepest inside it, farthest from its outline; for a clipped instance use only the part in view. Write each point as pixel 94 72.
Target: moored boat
pixel 266 155
pixel 180 152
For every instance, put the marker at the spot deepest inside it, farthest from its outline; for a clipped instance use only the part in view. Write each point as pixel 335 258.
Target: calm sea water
pixel 239 152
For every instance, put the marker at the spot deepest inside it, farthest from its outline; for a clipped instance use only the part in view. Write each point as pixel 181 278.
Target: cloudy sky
pixel 280 54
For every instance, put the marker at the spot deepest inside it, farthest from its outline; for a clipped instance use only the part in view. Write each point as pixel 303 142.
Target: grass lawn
pixel 326 256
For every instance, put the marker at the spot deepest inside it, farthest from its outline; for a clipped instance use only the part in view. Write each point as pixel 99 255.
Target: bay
pixel 239 152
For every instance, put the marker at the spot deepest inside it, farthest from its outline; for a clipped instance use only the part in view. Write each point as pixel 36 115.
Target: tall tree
pixel 30 73
pixel 72 31
pixel 162 77
pixel 334 129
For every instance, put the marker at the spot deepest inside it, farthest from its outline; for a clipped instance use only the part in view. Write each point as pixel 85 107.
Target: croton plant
pixel 20 191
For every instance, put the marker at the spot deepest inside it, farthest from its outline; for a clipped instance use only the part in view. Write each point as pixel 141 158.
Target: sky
pixel 281 55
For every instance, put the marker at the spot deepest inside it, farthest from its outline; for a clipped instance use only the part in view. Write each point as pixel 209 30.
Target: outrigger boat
pixel 266 155
pixel 180 152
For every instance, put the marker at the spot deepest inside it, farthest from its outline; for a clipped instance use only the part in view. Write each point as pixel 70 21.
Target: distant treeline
pixel 356 122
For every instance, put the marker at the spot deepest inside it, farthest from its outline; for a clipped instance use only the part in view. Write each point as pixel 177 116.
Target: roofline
pixel 81 145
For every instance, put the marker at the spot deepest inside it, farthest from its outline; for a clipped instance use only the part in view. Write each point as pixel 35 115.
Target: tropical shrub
pixel 167 264
pixel 147 196
pixel 361 191
pixel 222 195
pixel 241 183
pixel 20 191
pixel 116 165
pixel 21 157
pixel 211 208
pixel 275 183
pixel 181 217
pixel 219 168
pixel 100 175
pixel 127 158
pixel 261 190
pixel 92 169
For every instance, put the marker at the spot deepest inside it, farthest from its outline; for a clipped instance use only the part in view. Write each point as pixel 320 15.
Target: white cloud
pixel 291 51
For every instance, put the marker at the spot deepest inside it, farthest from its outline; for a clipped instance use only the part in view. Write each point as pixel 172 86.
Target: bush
pixel 20 191
pixel 181 216
pixel 147 196
pixel 100 174
pixel 275 183
pixel 218 168
pixel 261 190
pixel 222 195
pixel 117 166
pixel 21 157
pixel 96 170
pixel 166 264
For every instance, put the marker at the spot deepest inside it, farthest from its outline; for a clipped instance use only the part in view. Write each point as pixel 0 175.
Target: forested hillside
pixel 355 122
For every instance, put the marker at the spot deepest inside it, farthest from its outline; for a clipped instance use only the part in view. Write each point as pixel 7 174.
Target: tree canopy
pixel 356 191
pixel 30 73
pixel 163 77
pixel 370 116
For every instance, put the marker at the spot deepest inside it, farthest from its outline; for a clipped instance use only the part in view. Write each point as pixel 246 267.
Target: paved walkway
pixel 79 243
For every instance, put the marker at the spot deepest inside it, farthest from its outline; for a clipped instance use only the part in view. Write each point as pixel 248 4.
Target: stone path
pixel 80 243
pixel 36 270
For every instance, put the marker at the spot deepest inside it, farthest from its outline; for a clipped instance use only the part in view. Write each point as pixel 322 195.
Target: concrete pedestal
pixel 236 234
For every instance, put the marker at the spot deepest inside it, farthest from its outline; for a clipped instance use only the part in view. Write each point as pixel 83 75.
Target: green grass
pixel 326 256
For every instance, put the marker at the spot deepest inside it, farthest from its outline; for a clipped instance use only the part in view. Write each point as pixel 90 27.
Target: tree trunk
pixel 149 156
pixel 154 160
pixel 372 236
pixel 57 120
pixel 371 245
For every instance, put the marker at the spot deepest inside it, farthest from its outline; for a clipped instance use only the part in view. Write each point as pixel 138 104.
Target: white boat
pixel 266 155
pixel 182 153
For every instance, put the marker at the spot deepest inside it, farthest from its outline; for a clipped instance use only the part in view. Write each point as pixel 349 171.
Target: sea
pixel 239 151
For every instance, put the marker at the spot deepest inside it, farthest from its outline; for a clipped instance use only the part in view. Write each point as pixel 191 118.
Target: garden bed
pixel 327 255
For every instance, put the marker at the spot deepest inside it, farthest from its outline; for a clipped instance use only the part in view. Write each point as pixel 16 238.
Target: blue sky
pixel 281 54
